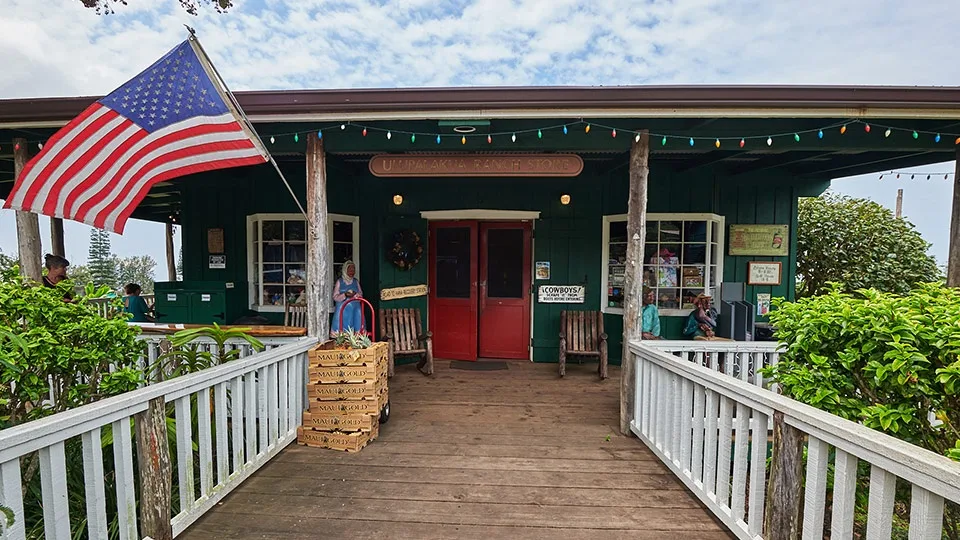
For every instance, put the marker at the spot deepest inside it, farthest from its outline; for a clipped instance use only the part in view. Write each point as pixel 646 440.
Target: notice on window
pixel 760 240
pixel 561 294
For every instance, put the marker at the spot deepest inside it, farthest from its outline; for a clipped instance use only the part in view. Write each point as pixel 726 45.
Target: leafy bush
pixel 189 354
pixel 858 244
pixel 891 362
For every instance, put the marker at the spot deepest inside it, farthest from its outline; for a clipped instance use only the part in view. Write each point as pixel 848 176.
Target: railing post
pixel 153 458
pixel 782 519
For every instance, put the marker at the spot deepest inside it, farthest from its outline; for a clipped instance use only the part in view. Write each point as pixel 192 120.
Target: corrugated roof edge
pixel 367 100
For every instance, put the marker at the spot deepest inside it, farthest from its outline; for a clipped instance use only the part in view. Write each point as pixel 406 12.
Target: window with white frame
pixel 277 255
pixel 683 257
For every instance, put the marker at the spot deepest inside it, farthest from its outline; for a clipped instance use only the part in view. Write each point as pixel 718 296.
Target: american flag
pixel 170 120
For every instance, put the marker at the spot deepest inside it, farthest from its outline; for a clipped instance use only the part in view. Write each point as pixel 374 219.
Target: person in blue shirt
pixel 649 317
pixel 135 305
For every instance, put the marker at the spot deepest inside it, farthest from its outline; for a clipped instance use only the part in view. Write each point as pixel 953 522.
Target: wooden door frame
pixel 528 269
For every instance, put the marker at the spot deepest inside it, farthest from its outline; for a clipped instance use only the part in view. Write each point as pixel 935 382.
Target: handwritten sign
pixel 760 240
pixel 462 165
pixel 397 293
pixel 763 273
pixel 561 294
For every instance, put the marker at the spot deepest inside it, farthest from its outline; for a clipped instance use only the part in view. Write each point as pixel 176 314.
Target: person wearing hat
pixel 649 316
pixel 702 323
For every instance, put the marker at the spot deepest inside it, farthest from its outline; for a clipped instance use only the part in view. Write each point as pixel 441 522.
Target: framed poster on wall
pixel 764 273
pixel 759 240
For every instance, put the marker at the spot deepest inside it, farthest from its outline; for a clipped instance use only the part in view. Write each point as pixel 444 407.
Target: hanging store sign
pixel 561 294
pixel 760 240
pixel 467 165
pixel 397 293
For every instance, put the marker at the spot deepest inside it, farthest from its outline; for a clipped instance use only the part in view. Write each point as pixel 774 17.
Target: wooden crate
pixel 365 390
pixel 347 374
pixel 349 406
pixel 325 355
pixel 340 422
pixel 349 442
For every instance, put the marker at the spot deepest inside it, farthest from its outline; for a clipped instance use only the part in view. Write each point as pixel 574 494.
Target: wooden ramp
pixel 515 454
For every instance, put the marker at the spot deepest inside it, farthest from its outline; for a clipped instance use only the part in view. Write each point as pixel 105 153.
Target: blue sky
pixel 58 48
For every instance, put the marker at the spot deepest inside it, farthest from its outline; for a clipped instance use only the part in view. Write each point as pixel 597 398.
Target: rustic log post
pixel 56 237
pixel 171 258
pixel 633 274
pixel 784 492
pixel 899 212
pixel 153 460
pixel 28 224
pixel 319 267
pixel 953 264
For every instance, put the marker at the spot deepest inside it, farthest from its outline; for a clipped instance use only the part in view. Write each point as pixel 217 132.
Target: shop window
pixel 682 258
pixel 277 255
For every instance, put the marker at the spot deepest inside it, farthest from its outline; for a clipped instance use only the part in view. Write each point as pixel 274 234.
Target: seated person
pixel 702 323
pixel 135 305
pixel 649 317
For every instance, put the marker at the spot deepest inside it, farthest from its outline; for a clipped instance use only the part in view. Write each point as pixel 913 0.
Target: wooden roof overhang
pixel 701 112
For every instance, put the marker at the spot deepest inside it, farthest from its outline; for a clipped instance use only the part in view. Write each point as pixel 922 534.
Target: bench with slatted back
pixel 581 335
pixel 295 315
pixel 402 330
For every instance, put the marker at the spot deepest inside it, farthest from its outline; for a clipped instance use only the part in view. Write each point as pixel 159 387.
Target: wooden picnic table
pixel 252 330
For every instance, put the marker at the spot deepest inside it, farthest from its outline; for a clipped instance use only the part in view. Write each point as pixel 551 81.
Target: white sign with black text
pixel 561 294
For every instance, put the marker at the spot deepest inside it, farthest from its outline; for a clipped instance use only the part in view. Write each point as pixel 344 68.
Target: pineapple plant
pixel 349 339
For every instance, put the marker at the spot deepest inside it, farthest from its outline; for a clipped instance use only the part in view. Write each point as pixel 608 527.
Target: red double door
pixel 480 289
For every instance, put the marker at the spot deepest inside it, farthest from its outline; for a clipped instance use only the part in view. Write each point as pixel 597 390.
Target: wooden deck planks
pixel 518 453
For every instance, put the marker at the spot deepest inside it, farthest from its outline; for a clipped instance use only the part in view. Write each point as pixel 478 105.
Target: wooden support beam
pixel 633 274
pixel 899 203
pixel 784 491
pixel 155 470
pixel 319 265
pixel 56 237
pixel 953 261
pixel 171 256
pixel 28 224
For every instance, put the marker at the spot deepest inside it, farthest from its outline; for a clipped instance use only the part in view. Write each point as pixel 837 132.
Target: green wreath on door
pixel 405 250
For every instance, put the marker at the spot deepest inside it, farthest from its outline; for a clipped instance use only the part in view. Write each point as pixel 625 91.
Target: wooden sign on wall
pixel 215 241
pixel 469 165
pixel 760 240
pixel 397 293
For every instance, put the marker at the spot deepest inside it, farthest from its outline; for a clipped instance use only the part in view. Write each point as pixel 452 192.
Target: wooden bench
pixel 295 315
pixel 581 335
pixel 402 330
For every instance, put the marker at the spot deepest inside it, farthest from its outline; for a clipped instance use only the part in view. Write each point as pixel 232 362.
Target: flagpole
pixel 205 60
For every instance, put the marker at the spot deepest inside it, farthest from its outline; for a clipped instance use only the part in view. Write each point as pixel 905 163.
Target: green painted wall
pixel 567 236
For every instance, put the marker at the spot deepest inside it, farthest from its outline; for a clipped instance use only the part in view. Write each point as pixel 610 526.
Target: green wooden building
pixel 519 198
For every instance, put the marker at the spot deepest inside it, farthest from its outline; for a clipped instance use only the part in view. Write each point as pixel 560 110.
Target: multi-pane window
pixel 683 257
pixel 278 256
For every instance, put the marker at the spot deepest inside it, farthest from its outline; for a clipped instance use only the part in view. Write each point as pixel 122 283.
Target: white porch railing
pixel 247 411
pixel 703 425
pixel 727 357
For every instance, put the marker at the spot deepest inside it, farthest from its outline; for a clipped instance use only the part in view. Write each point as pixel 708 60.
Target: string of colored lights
pixel 665 138
pixel 914 174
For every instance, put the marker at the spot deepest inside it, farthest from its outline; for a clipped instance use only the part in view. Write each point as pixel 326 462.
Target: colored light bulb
pixel 663 141
pixel 489 139
pixel 17 146
pixel 343 127
pixel 587 129
pixel 413 137
pixel 820 134
pixel 937 138
pixel 319 134
pixel 796 137
pixel 564 130
pixel 843 129
pixel 742 143
pixel 691 141
pixel 769 141
pixel 513 137
pixel 364 132
pixel 636 137
pixel 463 139
pixel 916 135
pixel 296 137
pixel 539 134
pixel 40 145
pixel 866 128
pixel 438 139
pixel 389 135
pixel 272 140
pixel 717 143
pixel 614 133
pixel 957 141
pixel 887 132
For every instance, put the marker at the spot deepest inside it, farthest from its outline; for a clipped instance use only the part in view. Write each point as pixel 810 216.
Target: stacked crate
pixel 347 391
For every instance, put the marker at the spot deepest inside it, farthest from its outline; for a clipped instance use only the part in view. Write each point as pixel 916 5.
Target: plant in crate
pixel 349 339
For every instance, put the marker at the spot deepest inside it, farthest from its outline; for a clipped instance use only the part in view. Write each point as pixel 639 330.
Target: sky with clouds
pixel 59 48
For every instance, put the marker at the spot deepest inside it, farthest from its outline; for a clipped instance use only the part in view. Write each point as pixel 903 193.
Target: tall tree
pixel 137 269
pixel 102 264
pixel 858 244
pixel 106 7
